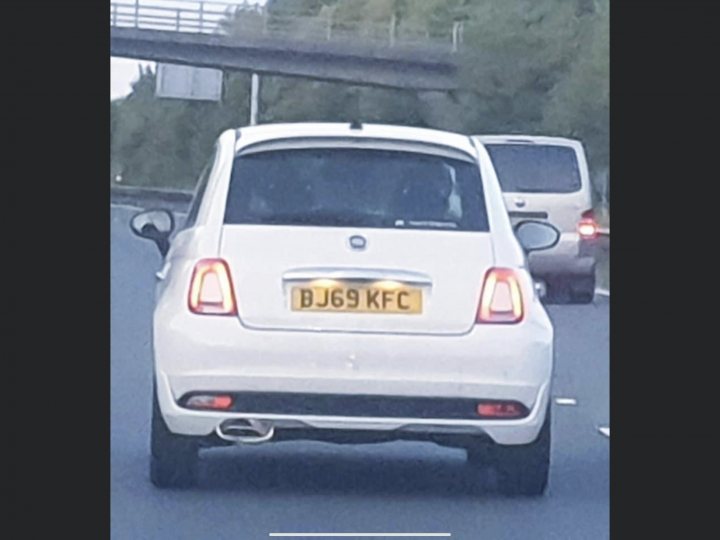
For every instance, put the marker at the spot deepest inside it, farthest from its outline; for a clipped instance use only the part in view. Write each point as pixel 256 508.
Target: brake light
pixel 501 299
pixel 587 227
pixel 211 290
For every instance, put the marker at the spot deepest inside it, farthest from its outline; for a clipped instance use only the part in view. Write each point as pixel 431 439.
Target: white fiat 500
pixel 350 283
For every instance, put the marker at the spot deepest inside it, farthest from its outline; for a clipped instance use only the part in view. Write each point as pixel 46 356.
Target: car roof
pixel 269 132
pixel 527 139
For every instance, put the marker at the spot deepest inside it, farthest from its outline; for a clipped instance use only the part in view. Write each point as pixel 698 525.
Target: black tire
pixel 173 458
pixel 582 289
pixel 570 289
pixel 523 470
pixel 558 291
pixel 478 454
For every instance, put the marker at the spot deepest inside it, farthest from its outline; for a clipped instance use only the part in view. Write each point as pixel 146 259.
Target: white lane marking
pixel 604 292
pixel 605 431
pixel 565 401
pixel 377 535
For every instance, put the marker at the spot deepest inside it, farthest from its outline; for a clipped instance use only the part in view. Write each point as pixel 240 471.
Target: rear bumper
pixel 508 432
pixel 375 406
pixel 217 354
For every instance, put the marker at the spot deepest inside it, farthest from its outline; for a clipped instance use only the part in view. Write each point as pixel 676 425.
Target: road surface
pixel 306 487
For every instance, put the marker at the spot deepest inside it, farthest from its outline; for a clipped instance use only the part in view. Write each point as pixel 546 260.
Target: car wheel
pixel 479 452
pixel 524 469
pixel 557 290
pixel 569 289
pixel 174 458
pixel 582 289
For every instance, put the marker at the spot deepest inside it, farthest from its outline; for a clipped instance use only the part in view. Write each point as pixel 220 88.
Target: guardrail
pixel 249 20
pixel 144 197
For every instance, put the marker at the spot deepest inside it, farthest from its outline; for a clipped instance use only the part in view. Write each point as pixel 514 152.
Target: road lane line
pixel 376 535
pixel 566 401
pixel 605 431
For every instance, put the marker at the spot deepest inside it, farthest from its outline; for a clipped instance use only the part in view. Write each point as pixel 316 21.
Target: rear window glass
pixel 343 187
pixel 535 168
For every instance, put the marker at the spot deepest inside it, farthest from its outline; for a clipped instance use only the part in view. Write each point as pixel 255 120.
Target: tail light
pixel 211 290
pixel 587 226
pixel 501 298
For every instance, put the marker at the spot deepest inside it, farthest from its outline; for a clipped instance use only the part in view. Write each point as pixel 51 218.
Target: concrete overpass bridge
pixel 226 36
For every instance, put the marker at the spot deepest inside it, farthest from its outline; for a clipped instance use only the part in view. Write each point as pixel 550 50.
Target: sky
pixel 124 71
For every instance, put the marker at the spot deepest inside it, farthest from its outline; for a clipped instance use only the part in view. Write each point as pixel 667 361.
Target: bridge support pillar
pixel 254 98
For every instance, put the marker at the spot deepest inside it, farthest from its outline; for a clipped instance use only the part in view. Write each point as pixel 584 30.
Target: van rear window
pixel 535 168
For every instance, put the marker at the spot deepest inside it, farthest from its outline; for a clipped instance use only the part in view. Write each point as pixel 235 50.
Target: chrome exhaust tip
pixel 245 431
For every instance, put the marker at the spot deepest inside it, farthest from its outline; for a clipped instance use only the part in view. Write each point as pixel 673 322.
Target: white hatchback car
pixel 350 283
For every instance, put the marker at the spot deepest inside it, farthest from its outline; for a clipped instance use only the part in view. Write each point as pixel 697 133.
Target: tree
pixel 165 142
pixel 579 104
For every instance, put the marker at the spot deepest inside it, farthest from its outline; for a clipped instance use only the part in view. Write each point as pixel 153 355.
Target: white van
pixel 547 179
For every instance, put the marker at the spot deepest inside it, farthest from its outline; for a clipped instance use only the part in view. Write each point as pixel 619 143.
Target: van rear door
pixel 545 180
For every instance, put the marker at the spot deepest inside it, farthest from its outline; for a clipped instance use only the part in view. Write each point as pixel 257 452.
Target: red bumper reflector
pixel 209 402
pixel 501 409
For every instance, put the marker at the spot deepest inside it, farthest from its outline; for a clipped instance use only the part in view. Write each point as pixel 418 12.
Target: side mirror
pixel 156 225
pixel 536 235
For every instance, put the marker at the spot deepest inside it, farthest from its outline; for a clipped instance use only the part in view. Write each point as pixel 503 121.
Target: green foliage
pixel 579 104
pixel 526 66
pixel 165 142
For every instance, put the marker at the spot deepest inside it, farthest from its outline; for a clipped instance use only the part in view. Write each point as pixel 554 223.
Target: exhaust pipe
pixel 245 431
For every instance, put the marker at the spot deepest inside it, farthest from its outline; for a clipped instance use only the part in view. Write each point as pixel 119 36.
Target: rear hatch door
pixel 357 239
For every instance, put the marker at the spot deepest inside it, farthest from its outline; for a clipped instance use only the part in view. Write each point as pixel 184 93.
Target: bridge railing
pixel 172 15
pixel 225 17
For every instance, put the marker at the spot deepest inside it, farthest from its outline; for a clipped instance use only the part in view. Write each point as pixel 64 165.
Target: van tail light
pixel 587 226
pixel 501 298
pixel 211 290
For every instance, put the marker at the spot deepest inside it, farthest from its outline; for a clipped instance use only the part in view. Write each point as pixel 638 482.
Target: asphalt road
pixel 303 487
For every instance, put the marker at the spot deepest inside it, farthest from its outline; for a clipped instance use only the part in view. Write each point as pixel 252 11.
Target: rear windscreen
pixel 346 187
pixel 535 168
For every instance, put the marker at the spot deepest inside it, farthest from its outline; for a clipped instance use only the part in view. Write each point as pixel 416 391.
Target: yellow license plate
pixel 359 298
